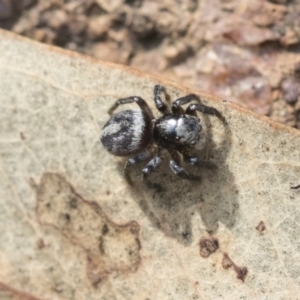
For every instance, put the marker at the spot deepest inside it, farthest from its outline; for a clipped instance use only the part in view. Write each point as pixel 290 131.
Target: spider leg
pixel 295 187
pixel 192 108
pixel 138 100
pixel 133 161
pixel 152 164
pixel 160 105
pixel 177 168
pixel 196 162
pixel 176 106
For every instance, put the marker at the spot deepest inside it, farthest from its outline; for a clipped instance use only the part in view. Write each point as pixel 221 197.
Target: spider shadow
pixel 171 203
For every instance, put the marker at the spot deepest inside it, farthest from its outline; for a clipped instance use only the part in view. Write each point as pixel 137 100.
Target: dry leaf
pixel 72 228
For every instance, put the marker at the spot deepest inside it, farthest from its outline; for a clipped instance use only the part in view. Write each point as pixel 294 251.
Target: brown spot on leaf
pixel 73 202
pixel 105 229
pixel 208 245
pixel 109 247
pixel 261 226
pixel 241 272
pixel 22 136
pixel 228 263
pixel 40 243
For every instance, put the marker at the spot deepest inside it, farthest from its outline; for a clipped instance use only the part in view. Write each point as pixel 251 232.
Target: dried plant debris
pixel 226 48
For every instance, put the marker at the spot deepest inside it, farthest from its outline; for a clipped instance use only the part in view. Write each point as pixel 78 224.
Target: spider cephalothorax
pixel 134 132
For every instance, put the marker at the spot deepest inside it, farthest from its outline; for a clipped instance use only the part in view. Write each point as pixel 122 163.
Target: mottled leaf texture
pixel 72 227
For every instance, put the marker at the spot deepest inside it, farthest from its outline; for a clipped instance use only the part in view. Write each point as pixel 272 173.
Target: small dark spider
pixel 133 132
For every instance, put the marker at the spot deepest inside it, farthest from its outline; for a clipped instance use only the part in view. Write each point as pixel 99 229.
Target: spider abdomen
pixel 127 132
pixel 174 131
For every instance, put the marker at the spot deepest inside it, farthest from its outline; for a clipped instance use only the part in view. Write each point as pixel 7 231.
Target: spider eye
pixel 177 138
pixel 193 142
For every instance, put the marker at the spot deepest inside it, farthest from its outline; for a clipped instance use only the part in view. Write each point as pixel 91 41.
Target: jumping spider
pixel 134 132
